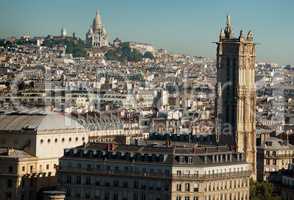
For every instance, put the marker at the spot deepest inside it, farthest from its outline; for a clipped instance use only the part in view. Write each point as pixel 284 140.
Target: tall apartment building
pixel 134 172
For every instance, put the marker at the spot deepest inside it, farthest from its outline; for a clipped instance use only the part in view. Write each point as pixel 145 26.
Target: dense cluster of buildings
pixel 173 127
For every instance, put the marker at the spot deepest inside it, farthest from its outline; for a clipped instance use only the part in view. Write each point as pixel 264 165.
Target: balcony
pixel 207 177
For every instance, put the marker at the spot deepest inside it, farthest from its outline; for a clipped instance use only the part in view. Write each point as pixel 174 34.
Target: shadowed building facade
pixel 236 93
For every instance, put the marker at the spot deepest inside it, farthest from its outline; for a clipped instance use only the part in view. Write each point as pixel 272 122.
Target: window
pixel 187 198
pixel 115 183
pixel 48 140
pixel 88 180
pixel 10 169
pixel 31 168
pixel 23 168
pixel 97 182
pixel 41 141
pixel 78 180
pixel 274 162
pixel 196 188
pixel 83 138
pixel 179 187
pixel 56 140
pixel 187 187
pixel 89 167
pixel 190 160
pixel 87 195
pixel 62 140
pixel 68 179
pixel 136 184
pixel 115 196
pixel 9 183
pixel 69 139
pixel 8 195
pixel 47 166
pixel 135 195
pixel 125 184
pixel 77 139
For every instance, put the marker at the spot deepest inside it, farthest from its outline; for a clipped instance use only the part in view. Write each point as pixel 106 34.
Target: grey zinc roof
pixel 276 144
pixel 48 121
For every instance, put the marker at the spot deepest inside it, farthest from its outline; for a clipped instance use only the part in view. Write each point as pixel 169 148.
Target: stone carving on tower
pixel 96 37
pixel 236 93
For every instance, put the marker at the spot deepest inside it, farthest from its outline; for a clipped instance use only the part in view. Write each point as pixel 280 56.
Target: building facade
pixel 31 146
pixel 272 156
pixel 22 175
pixel 131 172
pixel 96 37
pixel 236 95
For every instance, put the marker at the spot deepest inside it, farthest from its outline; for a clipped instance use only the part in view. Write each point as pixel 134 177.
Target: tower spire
pixel 229 29
pixel 229 24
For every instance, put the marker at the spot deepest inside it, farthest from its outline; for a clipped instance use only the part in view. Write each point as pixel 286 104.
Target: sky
pixel 180 26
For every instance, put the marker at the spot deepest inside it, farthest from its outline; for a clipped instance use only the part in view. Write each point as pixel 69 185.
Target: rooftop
pixel 37 121
pixel 214 155
pixel 276 143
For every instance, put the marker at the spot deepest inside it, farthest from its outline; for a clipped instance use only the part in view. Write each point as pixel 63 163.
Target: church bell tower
pixel 236 93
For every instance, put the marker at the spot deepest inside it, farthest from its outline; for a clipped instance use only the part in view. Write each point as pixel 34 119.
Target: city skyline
pixel 133 100
pixel 181 28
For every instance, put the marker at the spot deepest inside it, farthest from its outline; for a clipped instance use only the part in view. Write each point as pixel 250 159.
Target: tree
pixel 261 191
pixel 74 46
pixel 149 55
pixel 124 53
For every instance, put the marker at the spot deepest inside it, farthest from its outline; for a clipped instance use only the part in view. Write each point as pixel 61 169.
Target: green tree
pixel 149 55
pixel 74 46
pixel 124 53
pixel 261 191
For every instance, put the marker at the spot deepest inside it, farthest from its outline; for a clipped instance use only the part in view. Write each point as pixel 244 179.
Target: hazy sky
pixel 184 26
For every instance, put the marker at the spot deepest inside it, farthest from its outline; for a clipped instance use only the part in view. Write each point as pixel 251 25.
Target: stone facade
pixel 272 156
pixel 132 172
pixel 236 93
pixel 96 37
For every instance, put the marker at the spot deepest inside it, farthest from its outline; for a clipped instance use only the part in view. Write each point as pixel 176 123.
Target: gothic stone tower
pixel 235 93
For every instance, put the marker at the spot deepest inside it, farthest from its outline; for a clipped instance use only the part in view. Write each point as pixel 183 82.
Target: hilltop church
pixel 96 37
